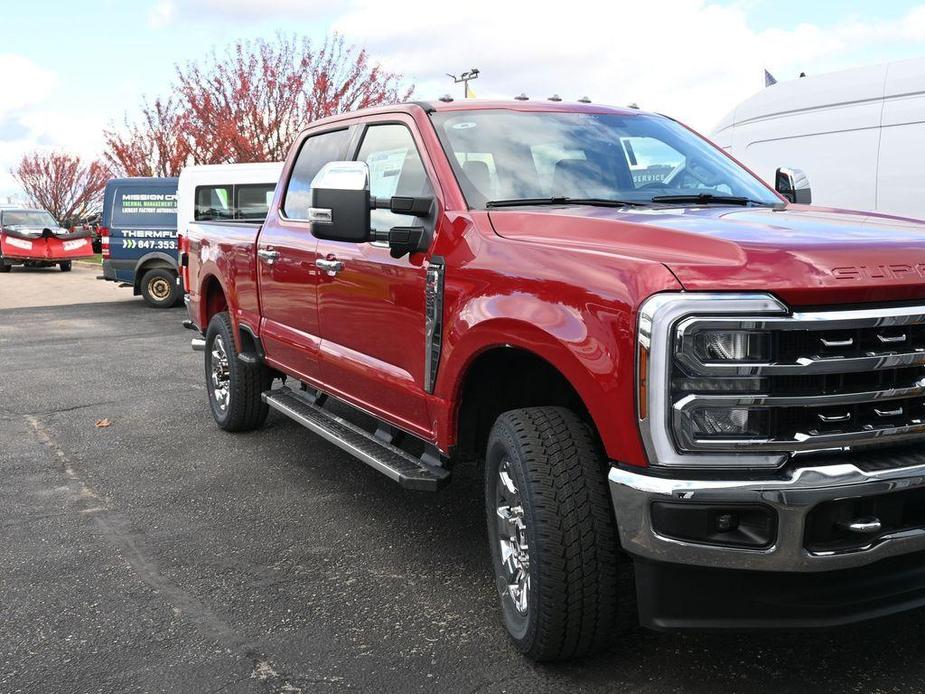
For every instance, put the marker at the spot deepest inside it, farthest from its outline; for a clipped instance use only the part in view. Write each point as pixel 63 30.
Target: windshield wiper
pixel 707 199
pixel 556 200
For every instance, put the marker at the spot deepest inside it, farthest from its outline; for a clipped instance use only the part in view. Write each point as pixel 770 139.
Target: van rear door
pixel 143 223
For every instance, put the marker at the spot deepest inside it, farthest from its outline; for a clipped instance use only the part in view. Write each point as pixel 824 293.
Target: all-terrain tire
pixel 159 288
pixel 65 265
pixel 581 591
pixel 242 409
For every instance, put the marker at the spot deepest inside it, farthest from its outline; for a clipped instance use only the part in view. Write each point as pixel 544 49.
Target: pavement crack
pixel 116 530
pixel 71 408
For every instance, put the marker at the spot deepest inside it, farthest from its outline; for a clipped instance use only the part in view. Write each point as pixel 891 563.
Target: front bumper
pixel 791 497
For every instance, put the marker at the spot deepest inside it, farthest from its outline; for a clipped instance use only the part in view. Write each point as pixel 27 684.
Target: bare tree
pixel 64 184
pixel 248 103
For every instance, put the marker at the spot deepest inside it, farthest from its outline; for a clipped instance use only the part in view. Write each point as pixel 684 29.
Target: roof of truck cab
pixel 538 105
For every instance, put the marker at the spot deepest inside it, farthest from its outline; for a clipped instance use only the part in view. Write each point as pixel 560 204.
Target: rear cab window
pixel 242 202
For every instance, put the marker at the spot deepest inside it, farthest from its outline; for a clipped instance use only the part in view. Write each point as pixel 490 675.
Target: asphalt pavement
pixel 25 287
pixel 160 554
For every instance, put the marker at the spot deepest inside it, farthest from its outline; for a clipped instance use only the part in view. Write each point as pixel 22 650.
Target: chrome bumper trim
pixel 792 498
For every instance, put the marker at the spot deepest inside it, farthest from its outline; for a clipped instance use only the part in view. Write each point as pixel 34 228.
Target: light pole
pixel 465 78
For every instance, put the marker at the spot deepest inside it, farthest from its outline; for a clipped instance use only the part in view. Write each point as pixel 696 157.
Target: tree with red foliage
pixel 154 146
pixel 63 184
pixel 249 103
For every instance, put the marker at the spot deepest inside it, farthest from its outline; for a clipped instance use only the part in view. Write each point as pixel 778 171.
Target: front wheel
pixel 566 588
pixel 65 265
pixel 4 267
pixel 159 288
pixel 234 386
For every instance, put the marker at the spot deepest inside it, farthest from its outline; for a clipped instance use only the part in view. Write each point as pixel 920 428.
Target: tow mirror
pixel 340 202
pixel 793 184
pixel 341 205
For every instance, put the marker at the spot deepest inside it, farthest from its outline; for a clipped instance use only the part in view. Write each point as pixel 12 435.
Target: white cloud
pixel 692 59
pixel 689 58
pixel 161 14
pixel 31 120
pixel 24 83
pixel 237 10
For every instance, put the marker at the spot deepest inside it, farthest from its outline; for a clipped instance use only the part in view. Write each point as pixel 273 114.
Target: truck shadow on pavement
pixel 881 654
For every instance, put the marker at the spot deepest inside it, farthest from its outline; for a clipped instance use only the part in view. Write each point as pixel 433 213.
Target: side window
pixel 395 168
pixel 253 201
pixel 213 202
pixel 316 152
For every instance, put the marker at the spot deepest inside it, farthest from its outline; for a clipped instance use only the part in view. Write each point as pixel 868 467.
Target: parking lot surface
pixel 33 287
pixel 160 554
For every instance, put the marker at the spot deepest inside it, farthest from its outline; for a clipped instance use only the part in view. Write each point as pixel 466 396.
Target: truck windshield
pixel 503 157
pixel 29 218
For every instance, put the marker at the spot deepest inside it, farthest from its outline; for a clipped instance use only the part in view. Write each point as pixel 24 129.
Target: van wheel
pixel 65 265
pixel 566 588
pixel 234 387
pixel 159 288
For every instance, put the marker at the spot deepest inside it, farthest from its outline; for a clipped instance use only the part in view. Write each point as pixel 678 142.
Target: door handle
pixel 268 256
pixel 330 267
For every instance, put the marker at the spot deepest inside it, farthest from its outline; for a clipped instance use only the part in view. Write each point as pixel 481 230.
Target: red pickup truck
pixel 698 402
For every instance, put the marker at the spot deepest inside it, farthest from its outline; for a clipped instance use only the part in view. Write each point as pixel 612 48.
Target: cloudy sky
pixel 70 69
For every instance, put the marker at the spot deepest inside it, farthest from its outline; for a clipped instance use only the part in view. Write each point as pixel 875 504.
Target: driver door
pixel 372 311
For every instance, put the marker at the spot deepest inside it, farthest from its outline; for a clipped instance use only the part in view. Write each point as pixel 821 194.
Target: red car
pixel 695 402
pixel 34 239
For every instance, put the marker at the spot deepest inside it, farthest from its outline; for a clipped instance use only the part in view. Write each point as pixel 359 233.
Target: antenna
pixel 464 79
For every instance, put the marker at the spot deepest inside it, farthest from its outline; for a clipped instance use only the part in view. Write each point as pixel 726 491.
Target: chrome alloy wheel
pixel 221 373
pixel 512 536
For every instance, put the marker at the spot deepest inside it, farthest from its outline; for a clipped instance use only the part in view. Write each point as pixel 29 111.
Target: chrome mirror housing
pixel 794 185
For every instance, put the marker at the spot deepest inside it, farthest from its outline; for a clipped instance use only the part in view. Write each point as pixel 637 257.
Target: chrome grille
pixel 779 383
pixel 833 380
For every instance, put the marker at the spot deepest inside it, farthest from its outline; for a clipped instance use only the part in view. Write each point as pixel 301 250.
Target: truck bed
pixel 227 250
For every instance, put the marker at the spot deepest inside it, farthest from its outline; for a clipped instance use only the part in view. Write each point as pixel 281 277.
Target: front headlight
pixel 727 422
pixel 708 345
pixel 731 345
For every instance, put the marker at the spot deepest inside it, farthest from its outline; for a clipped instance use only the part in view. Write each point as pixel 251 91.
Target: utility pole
pixel 464 79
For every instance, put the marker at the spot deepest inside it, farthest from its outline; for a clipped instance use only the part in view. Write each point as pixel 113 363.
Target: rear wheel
pixel 65 265
pixel 566 588
pixel 234 386
pixel 159 288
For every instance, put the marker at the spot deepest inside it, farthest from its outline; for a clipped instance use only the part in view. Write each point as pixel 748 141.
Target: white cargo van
pixel 859 135
pixel 225 192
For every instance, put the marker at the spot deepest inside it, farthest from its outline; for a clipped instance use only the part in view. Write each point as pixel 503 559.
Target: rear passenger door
pixel 372 311
pixel 286 254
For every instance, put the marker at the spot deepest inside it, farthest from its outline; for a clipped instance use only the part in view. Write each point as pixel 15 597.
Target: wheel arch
pixel 572 356
pixel 152 261
pixel 212 299
pixel 504 377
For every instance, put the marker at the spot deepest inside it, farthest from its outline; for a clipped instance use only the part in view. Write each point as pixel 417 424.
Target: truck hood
pixel 805 255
